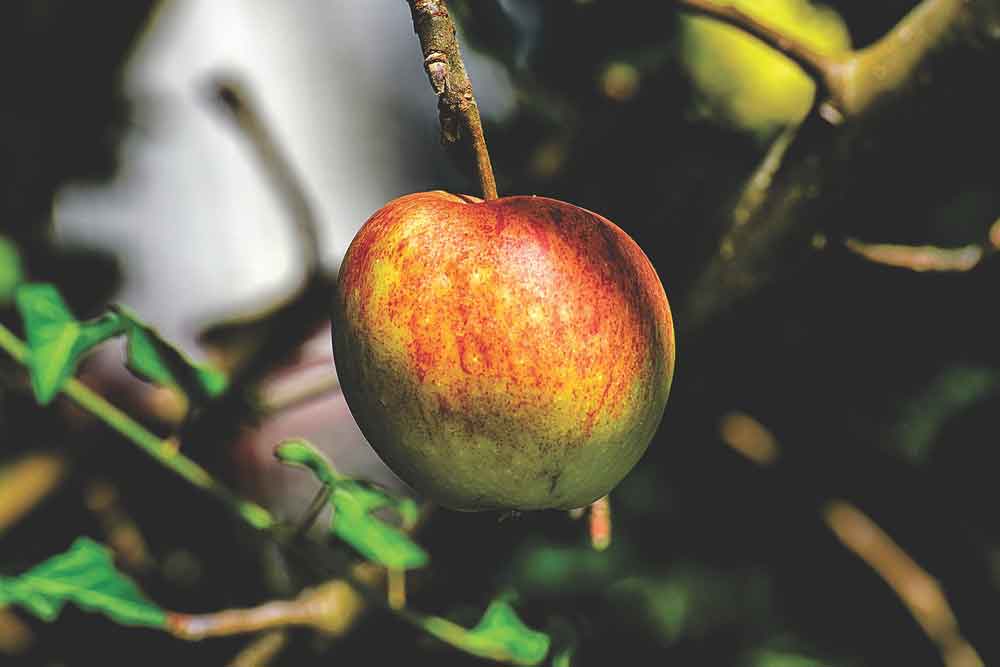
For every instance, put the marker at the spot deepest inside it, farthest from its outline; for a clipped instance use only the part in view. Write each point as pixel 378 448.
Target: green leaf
pixel 152 358
pixel 303 454
pixel 56 339
pixel 86 576
pixel 353 503
pixel 374 539
pixel 500 635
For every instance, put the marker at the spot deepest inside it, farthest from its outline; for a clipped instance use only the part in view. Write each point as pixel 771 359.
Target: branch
pixel 297 390
pixel 283 330
pixel 457 106
pixel 771 231
pixel 889 64
pixel 332 608
pixel 261 650
pixel 919 592
pixel 920 258
pixel 915 587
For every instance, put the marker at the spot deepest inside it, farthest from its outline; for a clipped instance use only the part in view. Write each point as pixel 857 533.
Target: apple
pixel 748 84
pixel 513 354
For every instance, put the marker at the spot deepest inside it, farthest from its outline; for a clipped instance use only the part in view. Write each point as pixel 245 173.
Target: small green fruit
pixel 748 84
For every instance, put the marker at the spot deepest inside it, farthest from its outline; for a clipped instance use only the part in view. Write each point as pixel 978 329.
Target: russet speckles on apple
pixel 507 354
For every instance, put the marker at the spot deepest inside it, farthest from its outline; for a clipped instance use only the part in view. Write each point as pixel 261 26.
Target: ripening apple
pixel 747 84
pixel 505 354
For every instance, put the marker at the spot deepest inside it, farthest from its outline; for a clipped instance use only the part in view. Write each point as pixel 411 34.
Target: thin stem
pixel 312 513
pixel 157 448
pixel 457 106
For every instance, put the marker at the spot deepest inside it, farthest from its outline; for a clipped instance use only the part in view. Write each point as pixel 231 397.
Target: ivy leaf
pixel 86 576
pixel 374 539
pixel 353 503
pixel 153 359
pixel 56 339
pixel 500 636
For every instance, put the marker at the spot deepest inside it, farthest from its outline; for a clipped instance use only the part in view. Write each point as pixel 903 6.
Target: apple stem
pixel 457 107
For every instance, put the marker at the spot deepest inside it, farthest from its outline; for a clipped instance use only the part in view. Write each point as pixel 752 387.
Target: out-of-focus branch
pixel 928 257
pixel 121 531
pixel 915 587
pixel 769 232
pixel 283 330
pixel 920 258
pixel 232 96
pixel 457 106
pixel 261 650
pixel 297 390
pixel 26 482
pixel 881 69
pixel 332 608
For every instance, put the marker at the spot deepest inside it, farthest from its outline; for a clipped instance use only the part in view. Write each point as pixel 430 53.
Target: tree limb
pixel 771 231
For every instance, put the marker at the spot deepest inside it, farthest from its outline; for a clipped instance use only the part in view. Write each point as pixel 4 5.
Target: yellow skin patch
pixel 512 354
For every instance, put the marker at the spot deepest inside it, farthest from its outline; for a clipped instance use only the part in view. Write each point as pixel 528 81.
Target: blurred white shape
pixel 191 216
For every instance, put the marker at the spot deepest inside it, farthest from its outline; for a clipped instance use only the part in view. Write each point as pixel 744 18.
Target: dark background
pixel 880 384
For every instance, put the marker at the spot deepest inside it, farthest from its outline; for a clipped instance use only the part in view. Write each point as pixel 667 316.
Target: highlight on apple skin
pixel 507 354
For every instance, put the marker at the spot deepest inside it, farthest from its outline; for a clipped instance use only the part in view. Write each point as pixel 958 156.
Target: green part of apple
pixel 507 354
